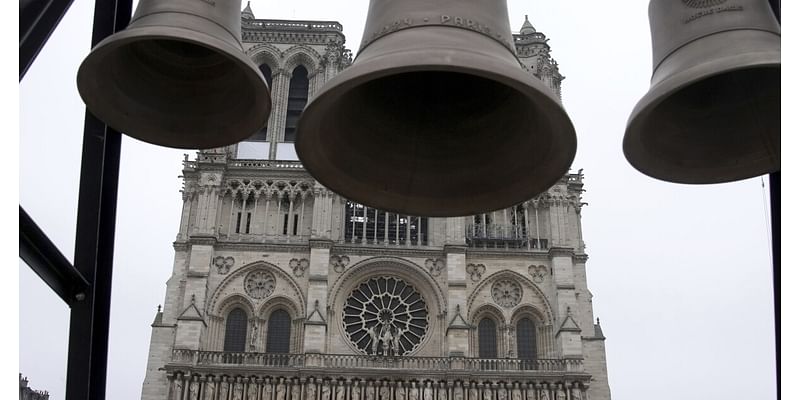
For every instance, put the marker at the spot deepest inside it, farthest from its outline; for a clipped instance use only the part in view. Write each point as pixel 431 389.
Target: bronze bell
pixel 713 110
pixel 177 76
pixel 436 116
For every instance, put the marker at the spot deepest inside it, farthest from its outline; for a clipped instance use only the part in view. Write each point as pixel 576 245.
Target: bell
pixel 436 116
pixel 712 113
pixel 177 76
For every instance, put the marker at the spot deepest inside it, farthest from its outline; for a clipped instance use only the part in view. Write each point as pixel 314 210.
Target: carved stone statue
pixel 267 392
pixel 252 391
pixel 502 393
pixel 326 391
pixel 210 388
pixel 560 394
pixel 387 342
pixel 178 389
pixel 427 392
pixel 396 342
pixel 224 389
pixel 442 392
pixel 516 394
pixel 295 391
pixel 530 393
pixel 311 390
pixel 413 392
pixel 544 394
pixel 340 391
pixel 238 391
pixel 355 392
pixel 254 336
pixel 374 337
pixel 370 392
pixel 384 392
pixel 487 393
pixel 473 393
pixel 458 393
pixel 194 387
pixel 400 392
pixel 576 394
pixel 280 391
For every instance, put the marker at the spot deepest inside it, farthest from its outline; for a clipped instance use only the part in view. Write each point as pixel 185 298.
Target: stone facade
pixel 374 305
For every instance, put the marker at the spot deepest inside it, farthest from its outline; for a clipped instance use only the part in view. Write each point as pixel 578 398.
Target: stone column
pixel 280 101
pixel 456 252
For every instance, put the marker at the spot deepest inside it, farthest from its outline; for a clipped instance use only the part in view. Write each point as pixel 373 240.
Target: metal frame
pixel 86 286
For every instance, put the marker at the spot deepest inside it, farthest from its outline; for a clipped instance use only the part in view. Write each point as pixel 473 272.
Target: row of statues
pixel 387 339
pixel 184 388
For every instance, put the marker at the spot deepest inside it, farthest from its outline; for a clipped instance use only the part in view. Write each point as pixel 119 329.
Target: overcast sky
pixel 681 275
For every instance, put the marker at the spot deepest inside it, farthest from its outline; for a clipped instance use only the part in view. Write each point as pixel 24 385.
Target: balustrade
pixel 356 361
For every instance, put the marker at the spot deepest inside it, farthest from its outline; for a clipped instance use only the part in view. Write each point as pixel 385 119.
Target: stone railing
pixel 265 164
pixel 354 361
pixel 275 24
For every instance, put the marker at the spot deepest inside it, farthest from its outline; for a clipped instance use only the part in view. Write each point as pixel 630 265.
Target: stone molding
pixel 561 252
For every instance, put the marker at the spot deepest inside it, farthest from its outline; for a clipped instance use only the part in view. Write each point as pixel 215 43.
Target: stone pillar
pixel 568 332
pixel 456 252
pixel 316 328
pixel 280 97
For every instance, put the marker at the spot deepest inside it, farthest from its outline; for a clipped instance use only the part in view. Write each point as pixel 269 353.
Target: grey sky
pixel 681 275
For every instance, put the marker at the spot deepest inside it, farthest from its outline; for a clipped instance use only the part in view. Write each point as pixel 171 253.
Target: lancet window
pixel 526 339
pixel 298 96
pixel 487 338
pixel 279 331
pixel 236 331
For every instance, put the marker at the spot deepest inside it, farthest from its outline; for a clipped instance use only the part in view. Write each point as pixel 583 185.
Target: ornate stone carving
pixel 223 264
pixel 311 390
pixel 210 388
pixel 385 313
pixel 259 284
pixel 339 263
pixel 506 293
pixel 299 267
pixel 194 388
pixel 538 272
pixel 475 271
pixel 435 266
pixel 252 390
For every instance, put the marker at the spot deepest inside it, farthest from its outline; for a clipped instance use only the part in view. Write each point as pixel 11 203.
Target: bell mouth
pixel 163 86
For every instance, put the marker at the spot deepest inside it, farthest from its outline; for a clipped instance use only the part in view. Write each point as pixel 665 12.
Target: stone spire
pixel 527 28
pixel 247 13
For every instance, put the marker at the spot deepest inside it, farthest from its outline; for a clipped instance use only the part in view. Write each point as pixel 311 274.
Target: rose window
pixel 507 293
pixel 385 315
pixel 259 284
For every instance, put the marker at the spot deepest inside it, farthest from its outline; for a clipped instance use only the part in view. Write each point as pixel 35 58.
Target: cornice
pixel 277 247
pixel 507 253
pixel 202 239
pixel 580 258
pixel 561 252
pixel 320 243
pixel 455 249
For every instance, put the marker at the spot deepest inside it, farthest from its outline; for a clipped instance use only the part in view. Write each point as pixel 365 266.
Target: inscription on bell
pixel 711 11
pixel 446 20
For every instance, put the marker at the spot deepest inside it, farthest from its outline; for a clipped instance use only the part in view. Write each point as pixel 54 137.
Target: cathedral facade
pixel 284 290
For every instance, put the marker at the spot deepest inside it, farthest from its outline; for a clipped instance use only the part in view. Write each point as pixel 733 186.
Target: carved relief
pixel 259 284
pixel 506 293
pixel 434 265
pixel 223 264
pixel 299 267
pixel 475 271
pixel 339 263
pixel 538 272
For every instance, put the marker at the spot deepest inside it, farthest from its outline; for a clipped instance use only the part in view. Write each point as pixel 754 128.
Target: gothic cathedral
pixel 284 290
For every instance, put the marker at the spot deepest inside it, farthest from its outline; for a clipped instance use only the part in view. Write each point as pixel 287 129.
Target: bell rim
pixel 133 34
pixel 513 76
pixel 663 89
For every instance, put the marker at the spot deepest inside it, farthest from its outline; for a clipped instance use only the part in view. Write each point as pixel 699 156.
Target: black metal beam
pixel 37 21
pixel 44 258
pixel 94 243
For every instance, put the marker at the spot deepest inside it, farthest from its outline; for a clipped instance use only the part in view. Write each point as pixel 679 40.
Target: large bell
pixel 177 76
pixel 713 110
pixel 436 116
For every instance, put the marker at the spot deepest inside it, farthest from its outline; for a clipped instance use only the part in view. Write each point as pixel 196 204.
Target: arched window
pixel 236 330
pixel 526 339
pixel 487 338
pixel 267 72
pixel 298 96
pixel 279 330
